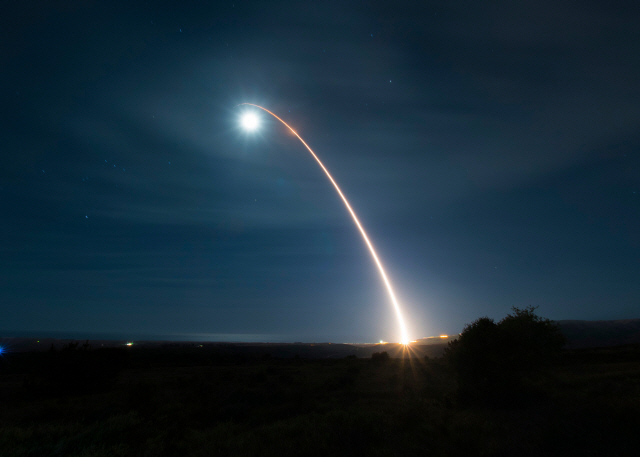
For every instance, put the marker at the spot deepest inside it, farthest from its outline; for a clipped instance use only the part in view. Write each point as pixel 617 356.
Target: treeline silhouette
pixel 493 361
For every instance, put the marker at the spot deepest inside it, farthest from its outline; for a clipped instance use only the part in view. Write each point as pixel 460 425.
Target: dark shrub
pixel 474 356
pixel 380 356
pixel 490 360
pixel 531 342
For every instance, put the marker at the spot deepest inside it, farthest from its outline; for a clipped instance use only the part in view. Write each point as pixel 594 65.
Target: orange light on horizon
pixel 444 336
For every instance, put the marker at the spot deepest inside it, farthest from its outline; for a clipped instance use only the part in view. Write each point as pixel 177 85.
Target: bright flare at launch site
pixel 250 121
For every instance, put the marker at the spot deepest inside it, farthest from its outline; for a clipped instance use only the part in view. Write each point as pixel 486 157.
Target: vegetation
pixel 380 357
pixel 493 361
pixel 185 401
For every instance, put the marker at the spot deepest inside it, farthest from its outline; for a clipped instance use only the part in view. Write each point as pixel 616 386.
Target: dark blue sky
pixel 491 151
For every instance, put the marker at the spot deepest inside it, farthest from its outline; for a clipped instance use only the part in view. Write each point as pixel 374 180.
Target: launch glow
pixel 251 125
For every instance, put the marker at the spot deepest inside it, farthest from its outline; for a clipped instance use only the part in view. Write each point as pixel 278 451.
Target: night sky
pixel 491 150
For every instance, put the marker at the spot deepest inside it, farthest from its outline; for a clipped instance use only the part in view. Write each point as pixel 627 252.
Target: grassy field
pixel 180 402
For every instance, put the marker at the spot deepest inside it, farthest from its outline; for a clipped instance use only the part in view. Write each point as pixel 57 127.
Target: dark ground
pixel 237 400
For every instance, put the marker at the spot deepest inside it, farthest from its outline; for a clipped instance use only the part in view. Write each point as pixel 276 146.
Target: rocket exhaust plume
pixel 387 283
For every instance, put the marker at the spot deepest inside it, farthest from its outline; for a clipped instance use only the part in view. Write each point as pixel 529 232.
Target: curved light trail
pixel 387 283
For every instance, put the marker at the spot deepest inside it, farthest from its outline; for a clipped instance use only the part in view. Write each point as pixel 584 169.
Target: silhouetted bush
pixel 380 356
pixel 531 342
pixel 491 359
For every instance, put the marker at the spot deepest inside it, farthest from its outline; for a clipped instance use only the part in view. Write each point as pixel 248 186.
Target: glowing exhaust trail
pixel 396 306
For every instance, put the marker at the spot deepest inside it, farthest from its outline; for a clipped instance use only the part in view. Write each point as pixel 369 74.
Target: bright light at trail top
pixel 250 121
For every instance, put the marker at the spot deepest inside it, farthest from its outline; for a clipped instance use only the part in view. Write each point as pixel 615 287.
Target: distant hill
pixel 586 334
